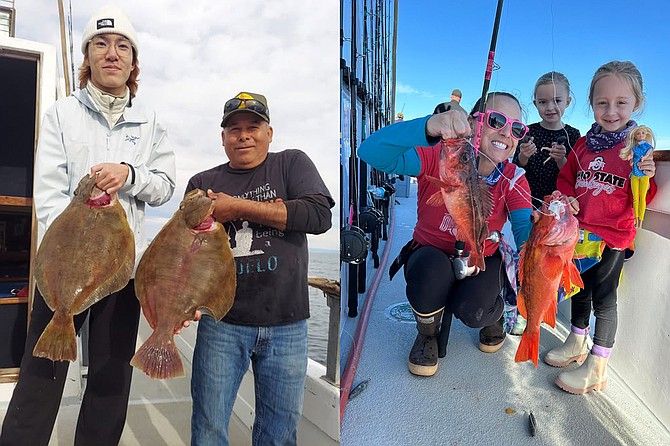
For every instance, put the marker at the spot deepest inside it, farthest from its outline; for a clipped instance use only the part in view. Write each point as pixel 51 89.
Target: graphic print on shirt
pixel 242 238
pixel 252 243
pixel 448 225
pixel 597 179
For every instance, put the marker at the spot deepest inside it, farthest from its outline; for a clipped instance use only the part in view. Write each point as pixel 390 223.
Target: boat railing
pixel 331 289
pixel 333 349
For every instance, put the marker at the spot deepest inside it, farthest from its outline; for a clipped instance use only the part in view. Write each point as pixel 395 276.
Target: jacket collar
pixel 135 114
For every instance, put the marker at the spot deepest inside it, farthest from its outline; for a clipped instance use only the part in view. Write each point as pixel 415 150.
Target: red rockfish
pixel 465 195
pixel 545 263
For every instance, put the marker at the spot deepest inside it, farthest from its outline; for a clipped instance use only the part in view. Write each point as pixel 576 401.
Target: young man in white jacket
pixel 102 130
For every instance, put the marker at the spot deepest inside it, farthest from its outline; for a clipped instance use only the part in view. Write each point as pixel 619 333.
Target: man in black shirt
pixel 268 202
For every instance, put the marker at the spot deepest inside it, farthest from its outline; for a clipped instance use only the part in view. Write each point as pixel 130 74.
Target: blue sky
pixel 444 45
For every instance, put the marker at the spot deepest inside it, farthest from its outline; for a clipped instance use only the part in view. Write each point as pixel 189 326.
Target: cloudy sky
pixel 195 55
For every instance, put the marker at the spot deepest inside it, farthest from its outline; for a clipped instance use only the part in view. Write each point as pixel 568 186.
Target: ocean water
pixel 324 264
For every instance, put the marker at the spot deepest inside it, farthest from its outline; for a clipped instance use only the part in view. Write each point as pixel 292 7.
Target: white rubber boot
pixel 575 348
pixel 592 375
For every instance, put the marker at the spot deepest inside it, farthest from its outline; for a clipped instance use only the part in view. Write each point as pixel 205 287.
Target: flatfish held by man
pixel 188 266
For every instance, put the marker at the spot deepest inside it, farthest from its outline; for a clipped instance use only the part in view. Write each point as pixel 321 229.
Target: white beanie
pixel 109 20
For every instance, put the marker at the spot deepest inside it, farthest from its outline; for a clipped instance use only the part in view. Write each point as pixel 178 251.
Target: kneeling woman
pixel 412 148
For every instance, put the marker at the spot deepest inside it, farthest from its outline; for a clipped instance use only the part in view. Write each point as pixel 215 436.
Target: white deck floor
pixel 159 412
pixel 465 402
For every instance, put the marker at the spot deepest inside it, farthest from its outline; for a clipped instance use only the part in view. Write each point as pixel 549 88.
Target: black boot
pixel 491 338
pixel 423 356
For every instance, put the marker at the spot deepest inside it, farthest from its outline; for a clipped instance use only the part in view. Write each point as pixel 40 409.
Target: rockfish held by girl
pixel 465 196
pixel 546 263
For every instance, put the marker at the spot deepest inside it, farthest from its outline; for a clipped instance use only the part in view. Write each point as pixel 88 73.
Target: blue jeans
pixel 279 360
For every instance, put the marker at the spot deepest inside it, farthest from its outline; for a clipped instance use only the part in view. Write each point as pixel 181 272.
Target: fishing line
pixel 553 70
pixel 523 193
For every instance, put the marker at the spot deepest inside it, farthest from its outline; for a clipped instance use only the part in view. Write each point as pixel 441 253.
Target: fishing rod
pixel 487 78
pixel 64 47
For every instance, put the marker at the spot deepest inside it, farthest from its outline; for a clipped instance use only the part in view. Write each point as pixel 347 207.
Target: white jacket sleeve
pixel 155 179
pixel 50 183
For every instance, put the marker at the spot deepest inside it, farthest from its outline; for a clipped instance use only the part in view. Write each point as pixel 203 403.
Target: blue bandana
pixel 596 140
pixel 495 175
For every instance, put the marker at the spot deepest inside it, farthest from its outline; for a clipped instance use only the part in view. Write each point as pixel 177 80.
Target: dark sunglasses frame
pixel 518 128
pixel 249 104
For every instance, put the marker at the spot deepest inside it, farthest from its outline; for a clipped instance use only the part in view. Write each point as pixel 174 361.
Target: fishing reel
pixel 460 261
pixel 354 245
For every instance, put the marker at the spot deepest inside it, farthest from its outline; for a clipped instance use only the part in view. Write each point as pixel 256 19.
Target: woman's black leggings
pixel 431 285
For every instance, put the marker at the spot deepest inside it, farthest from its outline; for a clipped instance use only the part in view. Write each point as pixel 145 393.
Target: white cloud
pixel 195 56
pixel 401 88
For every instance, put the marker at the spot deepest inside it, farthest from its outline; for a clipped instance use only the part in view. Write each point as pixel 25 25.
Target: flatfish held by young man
pixel 188 266
pixel 465 196
pixel 86 254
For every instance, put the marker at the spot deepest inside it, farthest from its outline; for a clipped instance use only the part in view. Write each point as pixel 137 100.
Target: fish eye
pixel 465 157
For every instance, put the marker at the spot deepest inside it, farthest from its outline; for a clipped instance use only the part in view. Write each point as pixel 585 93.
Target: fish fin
pixel 522 255
pixel 158 357
pixel 521 306
pixel 58 342
pixel 575 276
pixel 436 199
pixel 550 315
pixel 552 267
pixel 437 182
pixel 487 199
pixel 529 347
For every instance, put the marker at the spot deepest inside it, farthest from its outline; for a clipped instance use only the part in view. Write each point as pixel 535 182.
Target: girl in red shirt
pixel 597 181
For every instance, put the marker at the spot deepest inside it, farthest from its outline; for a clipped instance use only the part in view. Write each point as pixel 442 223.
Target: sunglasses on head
pixel 497 121
pixel 249 104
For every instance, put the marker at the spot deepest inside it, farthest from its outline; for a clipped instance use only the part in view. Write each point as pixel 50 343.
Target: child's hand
pixel 557 153
pixel 526 150
pixel 448 125
pixel 647 165
pixel 574 205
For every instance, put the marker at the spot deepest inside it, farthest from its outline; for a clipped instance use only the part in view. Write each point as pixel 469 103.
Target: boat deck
pixel 474 398
pixel 159 412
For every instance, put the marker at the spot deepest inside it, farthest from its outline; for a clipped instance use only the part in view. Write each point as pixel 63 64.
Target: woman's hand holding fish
pixel 526 150
pixel 448 125
pixel 110 176
pixel 647 165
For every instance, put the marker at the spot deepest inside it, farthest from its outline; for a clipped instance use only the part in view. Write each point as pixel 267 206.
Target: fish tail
pixel 477 260
pixel 529 347
pixel 59 340
pixel 158 357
